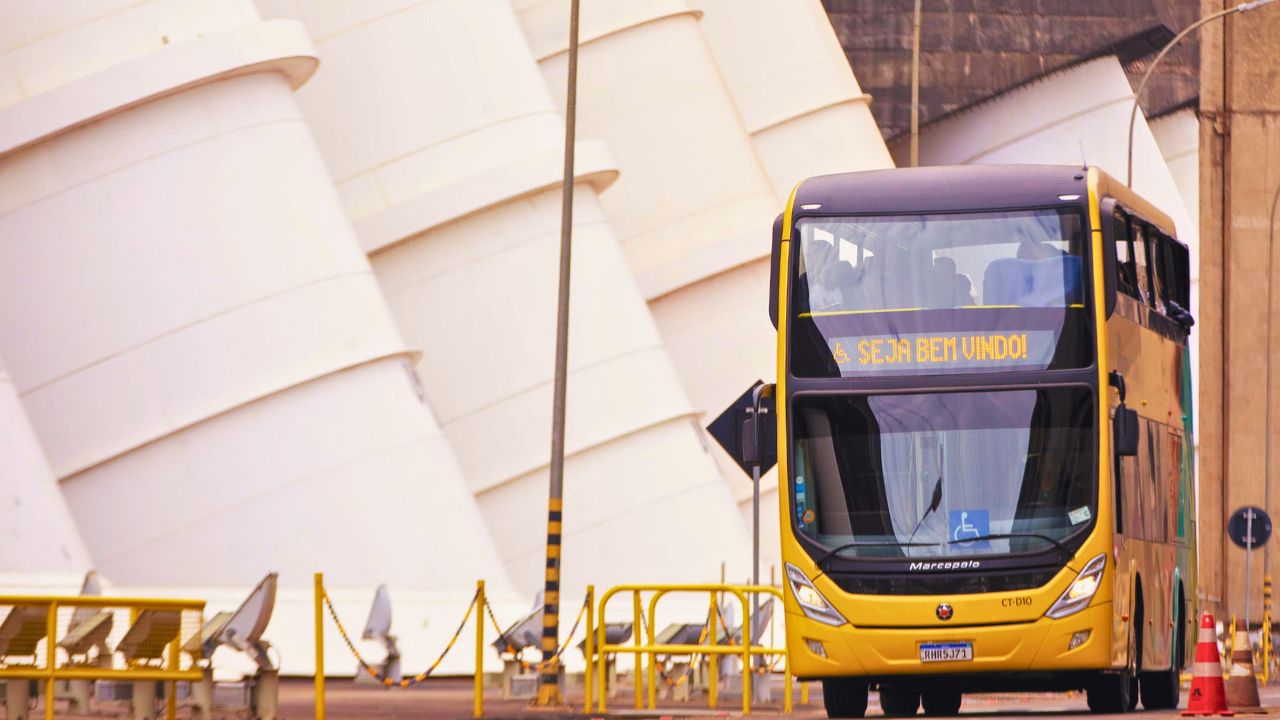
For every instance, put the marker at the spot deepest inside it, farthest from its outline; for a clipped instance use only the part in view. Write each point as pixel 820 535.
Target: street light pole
pixel 1133 113
pixel 549 671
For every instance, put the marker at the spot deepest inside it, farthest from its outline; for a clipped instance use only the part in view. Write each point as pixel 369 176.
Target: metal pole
pixel 319 593
pixel 1248 565
pixel 915 87
pixel 588 682
pixel 1266 485
pixel 1133 113
pixel 477 701
pixel 51 660
pixel 549 682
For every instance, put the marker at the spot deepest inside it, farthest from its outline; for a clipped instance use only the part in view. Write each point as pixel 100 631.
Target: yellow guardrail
pixel 712 647
pixel 48 638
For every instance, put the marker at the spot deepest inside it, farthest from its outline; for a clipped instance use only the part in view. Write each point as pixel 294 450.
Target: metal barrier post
pixel 639 671
pixel 477 706
pixel 713 660
pixel 804 693
pixel 319 592
pixel 747 670
pixel 171 687
pixel 51 653
pixel 587 680
pixel 653 657
pixel 601 661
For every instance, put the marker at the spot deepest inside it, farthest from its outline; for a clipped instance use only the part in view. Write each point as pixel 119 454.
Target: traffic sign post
pixel 1249 527
pixel 743 430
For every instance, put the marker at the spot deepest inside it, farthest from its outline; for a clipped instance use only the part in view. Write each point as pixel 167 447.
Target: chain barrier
pixel 513 654
pixel 374 672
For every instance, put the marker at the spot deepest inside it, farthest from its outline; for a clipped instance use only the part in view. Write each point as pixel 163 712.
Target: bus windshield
pixel 1015 466
pixel 938 293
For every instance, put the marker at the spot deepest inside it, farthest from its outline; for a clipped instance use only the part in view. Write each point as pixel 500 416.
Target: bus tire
pixel 1162 689
pixel 1117 692
pixel 844 697
pixel 1111 693
pixel 898 700
pixel 941 703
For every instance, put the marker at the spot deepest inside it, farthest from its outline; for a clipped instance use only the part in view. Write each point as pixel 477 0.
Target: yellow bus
pixel 984 423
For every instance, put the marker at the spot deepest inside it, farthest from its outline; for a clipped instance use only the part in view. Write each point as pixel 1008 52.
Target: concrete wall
pixel 1239 177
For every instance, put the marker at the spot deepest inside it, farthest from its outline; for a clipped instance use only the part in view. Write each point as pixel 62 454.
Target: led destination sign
pixel 942 351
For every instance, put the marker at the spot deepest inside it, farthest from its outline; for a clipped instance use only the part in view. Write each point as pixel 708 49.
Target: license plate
pixel 946 652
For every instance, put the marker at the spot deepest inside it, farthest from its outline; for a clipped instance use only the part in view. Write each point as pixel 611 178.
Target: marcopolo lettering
pixel 945 565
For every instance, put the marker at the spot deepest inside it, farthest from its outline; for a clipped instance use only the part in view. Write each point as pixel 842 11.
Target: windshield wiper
pixel 934 502
pixel 841 548
pixel 1006 536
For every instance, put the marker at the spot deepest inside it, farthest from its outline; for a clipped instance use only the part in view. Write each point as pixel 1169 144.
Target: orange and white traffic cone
pixel 1242 685
pixel 1208 696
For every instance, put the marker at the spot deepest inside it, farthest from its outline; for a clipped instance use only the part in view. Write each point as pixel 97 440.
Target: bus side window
pixel 1138 234
pixel 1157 253
pixel 1126 272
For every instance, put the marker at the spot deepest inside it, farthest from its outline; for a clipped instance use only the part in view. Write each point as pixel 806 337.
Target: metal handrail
pixel 712 649
pixel 51 672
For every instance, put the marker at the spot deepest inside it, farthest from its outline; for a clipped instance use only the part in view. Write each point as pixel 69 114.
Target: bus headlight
pixel 1081 590
pixel 815 606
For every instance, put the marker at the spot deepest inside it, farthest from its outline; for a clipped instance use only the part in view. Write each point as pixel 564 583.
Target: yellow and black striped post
pixel 549 670
pixel 549 680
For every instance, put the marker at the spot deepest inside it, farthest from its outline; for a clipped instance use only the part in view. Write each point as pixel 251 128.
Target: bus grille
pixel 943 583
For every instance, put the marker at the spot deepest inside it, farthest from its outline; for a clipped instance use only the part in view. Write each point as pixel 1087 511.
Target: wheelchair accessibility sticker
pixel 965 524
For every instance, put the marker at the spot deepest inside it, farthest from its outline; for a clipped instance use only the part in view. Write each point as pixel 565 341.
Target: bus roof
pixel 959 188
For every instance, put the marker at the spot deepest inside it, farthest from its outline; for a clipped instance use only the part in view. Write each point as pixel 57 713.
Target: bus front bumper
pixel 1041 645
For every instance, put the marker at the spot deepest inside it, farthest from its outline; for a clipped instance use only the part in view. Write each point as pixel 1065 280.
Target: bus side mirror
pixel 1125 427
pixel 757 431
pixel 774 268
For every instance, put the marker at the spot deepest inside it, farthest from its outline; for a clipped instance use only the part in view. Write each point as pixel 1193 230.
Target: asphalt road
pixel 450 699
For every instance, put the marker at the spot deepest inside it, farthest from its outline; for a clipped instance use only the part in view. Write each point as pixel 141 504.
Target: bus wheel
pixel 941 702
pixel 1118 692
pixel 844 697
pixel 899 701
pixel 1111 693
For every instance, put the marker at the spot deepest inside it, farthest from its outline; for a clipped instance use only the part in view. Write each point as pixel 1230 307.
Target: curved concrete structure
pixel 693 205
pixel 37 535
pixel 199 342
pixel 793 87
pixel 447 152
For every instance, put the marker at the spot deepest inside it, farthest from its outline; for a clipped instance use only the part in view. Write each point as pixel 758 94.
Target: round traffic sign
pixel 1249 527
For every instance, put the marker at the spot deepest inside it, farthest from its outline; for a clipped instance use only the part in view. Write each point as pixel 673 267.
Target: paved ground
pixel 450 699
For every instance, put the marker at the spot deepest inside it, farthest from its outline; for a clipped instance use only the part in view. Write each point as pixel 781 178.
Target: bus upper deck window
pixel 1157 252
pixel 1126 269
pixel 1138 233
